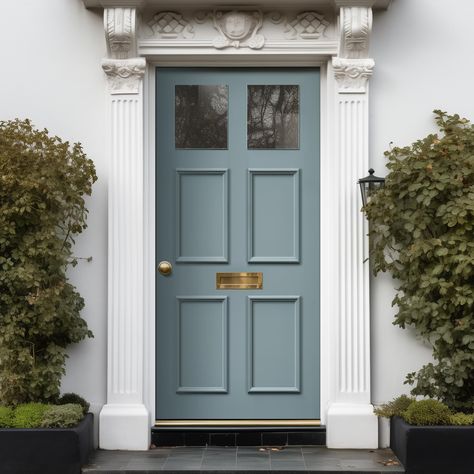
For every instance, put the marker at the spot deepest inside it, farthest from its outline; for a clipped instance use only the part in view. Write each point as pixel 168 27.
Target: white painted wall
pixel 423 61
pixel 50 56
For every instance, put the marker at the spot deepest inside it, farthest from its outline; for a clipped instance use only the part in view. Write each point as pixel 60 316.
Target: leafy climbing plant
pixel 422 232
pixel 43 181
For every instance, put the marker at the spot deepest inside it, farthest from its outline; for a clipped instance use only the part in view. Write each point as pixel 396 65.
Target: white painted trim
pixel 328 295
pixel 344 310
pixel 150 241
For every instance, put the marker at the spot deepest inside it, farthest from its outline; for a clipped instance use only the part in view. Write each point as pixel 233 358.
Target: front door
pixel 237 199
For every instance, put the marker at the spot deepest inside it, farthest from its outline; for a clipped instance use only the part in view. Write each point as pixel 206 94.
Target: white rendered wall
pixel 51 73
pixel 51 57
pixel 424 60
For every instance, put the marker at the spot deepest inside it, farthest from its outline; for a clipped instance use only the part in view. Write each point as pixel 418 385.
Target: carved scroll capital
pixel 353 67
pixel 352 75
pixel 124 75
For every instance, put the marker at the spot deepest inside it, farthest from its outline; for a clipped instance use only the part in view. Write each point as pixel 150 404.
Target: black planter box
pixel 433 449
pixel 46 450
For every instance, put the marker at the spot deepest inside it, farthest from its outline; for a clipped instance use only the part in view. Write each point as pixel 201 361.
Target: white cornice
pixel 376 4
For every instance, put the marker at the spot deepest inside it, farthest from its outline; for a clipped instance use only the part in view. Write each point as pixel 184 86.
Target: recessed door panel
pixel 237 213
pixel 202 344
pixel 273 215
pixel 273 341
pixel 201 214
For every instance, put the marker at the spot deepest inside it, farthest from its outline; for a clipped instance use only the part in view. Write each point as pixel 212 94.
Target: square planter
pixel 46 450
pixel 433 449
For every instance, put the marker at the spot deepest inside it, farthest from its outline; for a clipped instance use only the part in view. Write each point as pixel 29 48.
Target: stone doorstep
pixel 258 459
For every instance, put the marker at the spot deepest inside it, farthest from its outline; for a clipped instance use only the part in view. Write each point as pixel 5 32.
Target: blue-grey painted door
pixel 237 190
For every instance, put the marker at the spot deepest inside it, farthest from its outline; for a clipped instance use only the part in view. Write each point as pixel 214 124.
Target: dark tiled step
pixel 238 437
pixel 310 459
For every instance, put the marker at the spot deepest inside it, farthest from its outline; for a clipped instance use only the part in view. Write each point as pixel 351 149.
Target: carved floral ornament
pixel 124 76
pixel 245 27
pixel 237 28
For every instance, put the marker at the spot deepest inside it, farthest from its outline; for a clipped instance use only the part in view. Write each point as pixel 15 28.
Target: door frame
pixel 150 219
pixel 150 214
pixel 345 69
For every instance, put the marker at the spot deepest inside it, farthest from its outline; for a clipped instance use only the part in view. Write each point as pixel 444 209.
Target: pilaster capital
pixel 123 68
pixel 124 75
pixel 353 67
pixel 352 75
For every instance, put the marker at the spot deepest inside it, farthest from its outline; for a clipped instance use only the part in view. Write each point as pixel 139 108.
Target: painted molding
pixel 350 419
pixel 243 27
pixel 294 173
pixel 223 300
pixel 180 40
pixel 124 76
pixel 224 174
pixel 124 420
pixel 296 300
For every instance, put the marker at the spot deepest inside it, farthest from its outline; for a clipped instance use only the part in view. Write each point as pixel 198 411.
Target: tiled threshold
pixel 201 460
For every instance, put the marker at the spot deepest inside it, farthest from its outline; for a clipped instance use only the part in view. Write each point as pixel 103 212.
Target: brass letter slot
pixel 239 280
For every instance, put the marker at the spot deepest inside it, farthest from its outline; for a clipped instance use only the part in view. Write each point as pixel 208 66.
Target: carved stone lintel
pixel 120 32
pixel 352 74
pixel 124 75
pixel 238 28
pixel 356 25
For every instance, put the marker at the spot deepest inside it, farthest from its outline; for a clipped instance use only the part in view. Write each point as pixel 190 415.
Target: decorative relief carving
pixel 353 67
pixel 307 25
pixel 171 25
pixel 124 75
pixel 238 28
pixel 356 25
pixel 352 74
pixel 245 27
pixel 120 32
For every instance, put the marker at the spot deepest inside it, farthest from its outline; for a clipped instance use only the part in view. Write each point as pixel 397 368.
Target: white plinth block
pixel 352 427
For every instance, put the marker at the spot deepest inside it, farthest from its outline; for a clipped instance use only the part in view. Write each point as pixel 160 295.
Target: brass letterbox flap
pixel 239 280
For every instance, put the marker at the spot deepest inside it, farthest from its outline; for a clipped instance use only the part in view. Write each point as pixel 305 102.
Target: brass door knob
pixel 165 268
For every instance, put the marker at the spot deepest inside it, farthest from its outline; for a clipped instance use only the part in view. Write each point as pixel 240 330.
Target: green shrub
pixel 43 181
pixel 76 399
pixel 6 415
pixel 62 416
pixel 427 412
pixel 422 232
pixel 394 408
pixel 28 415
pixel 461 419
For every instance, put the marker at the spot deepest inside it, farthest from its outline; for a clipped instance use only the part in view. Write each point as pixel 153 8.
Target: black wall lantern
pixel 369 184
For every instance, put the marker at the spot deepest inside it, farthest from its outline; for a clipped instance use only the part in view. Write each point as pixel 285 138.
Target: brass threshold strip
pixel 233 423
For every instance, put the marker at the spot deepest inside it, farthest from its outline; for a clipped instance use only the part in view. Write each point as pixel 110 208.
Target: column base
pixel 352 426
pixel 124 426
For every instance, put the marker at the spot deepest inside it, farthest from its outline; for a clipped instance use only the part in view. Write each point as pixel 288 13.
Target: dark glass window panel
pixel 273 117
pixel 201 116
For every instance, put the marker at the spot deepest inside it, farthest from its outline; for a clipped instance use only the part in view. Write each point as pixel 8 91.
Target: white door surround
pixel 337 41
